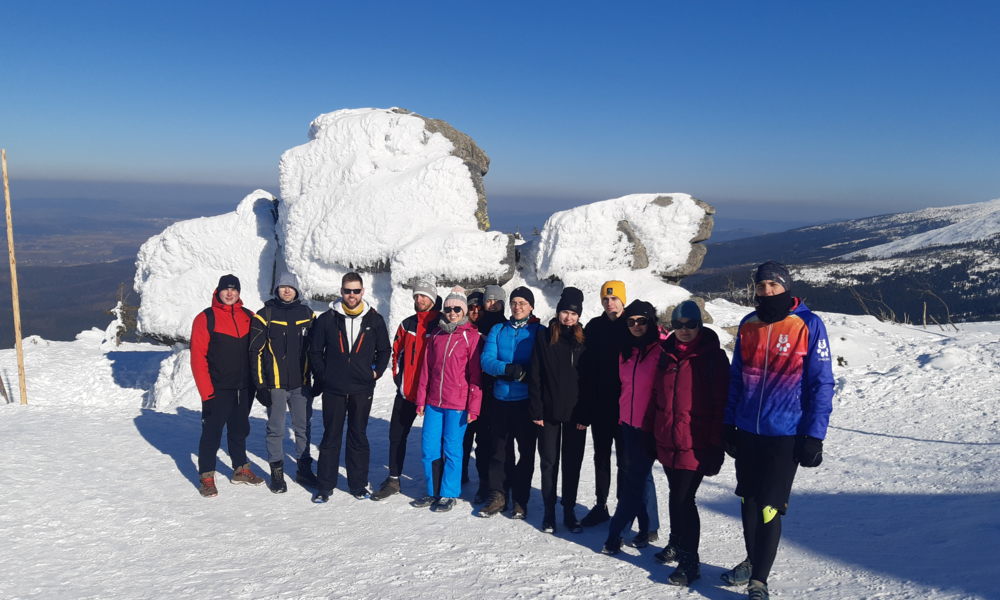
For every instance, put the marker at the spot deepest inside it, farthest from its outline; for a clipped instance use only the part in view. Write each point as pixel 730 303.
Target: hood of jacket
pixel 220 305
pixel 291 281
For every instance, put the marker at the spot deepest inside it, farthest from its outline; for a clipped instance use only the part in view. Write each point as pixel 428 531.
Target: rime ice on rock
pixel 379 190
pixel 177 270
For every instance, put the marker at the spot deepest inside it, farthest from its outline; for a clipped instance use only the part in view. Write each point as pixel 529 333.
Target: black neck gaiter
pixel 771 309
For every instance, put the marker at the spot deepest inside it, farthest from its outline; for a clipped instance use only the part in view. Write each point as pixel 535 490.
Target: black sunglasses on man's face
pixel 347 292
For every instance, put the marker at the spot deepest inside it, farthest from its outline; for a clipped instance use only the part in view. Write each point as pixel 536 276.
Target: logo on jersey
pixel 783 343
pixel 824 352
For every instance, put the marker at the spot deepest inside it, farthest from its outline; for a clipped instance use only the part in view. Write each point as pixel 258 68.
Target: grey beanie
pixel 687 310
pixel 290 280
pixel 457 298
pixel 426 287
pixel 495 292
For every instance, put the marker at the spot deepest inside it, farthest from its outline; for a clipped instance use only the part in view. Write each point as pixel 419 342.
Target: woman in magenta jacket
pixel 448 397
pixel 639 357
pixel 682 427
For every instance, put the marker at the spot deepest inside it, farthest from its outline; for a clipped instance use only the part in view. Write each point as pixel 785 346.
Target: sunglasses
pixel 637 321
pixel 688 325
pixel 473 307
pixel 451 309
pixel 348 292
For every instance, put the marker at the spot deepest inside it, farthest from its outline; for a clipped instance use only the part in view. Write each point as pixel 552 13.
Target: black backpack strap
pixel 210 320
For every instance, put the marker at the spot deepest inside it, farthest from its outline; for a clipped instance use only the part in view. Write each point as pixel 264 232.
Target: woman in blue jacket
pixel 507 356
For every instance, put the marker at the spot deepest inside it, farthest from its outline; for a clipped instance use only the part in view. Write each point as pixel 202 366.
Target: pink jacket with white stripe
pixel 449 376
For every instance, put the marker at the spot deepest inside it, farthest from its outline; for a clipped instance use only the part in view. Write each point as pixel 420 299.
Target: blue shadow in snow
pixel 136 370
pixel 944 541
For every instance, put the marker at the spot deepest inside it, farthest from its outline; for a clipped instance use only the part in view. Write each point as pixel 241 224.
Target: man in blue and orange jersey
pixel 780 400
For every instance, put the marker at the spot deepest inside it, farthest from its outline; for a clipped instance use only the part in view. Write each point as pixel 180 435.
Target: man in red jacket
pixel 407 357
pixel 220 344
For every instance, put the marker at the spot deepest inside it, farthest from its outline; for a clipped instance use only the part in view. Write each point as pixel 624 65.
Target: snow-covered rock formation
pixel 177 270
pixel 386 191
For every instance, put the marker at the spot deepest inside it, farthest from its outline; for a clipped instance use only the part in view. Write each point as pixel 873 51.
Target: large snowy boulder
pixel 177 270
pixel 378 190
pixel 659 232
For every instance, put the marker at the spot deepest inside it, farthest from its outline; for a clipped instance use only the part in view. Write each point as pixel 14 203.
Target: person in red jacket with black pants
pixel 407 358
pixel 220 343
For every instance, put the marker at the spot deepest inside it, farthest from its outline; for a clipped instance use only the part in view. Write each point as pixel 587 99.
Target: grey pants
pixel 301 408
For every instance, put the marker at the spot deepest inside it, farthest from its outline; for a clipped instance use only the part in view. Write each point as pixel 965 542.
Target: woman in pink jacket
pixel 448 397
pixel 640 355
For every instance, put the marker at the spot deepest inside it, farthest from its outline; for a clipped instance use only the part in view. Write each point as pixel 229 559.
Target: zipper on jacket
pixel 763 381
pixel 635 369
pixel 444 361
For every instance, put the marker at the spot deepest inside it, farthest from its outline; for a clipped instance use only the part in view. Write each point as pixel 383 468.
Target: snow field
pixel 102 499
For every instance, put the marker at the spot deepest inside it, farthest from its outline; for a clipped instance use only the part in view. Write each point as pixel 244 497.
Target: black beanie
pixel 772 271
pixel 228 281
pixel 639 308
pixel 571 299
pixel 475 299
pixel 523 292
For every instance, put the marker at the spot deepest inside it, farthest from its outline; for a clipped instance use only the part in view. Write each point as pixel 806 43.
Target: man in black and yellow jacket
pixel 348 351
pixel 279 368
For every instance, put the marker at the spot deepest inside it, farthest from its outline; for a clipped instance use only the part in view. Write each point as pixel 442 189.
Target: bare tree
pixel 925 289
pixel 885 312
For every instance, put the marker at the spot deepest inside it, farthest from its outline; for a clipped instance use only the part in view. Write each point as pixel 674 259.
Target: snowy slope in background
pixel 177 270
pixel 105 502
pixel 970 223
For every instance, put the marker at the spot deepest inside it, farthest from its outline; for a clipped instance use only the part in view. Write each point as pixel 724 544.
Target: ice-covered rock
pixel 378 190
pixel 177 270
pixel 659 232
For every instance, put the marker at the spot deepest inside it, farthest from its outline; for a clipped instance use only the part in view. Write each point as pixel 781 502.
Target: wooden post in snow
pixel 925 315
pixel 13 284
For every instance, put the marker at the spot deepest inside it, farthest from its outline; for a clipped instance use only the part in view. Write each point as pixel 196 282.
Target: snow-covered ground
pixel 100 496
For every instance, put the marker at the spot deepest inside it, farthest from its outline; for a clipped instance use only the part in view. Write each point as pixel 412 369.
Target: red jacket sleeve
pixel 397 346
pixel 424 378
pixel 655 400
pixel 199 357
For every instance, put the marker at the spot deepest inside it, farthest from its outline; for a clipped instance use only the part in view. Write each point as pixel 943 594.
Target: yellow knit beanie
pixel 614 288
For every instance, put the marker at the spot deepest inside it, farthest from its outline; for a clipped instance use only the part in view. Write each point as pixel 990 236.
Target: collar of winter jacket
pixel 449 327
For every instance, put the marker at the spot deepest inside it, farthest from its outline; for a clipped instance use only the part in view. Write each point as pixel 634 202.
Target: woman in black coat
pixel 554 392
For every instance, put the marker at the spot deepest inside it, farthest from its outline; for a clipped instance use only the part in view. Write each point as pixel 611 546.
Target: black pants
pixel 605 431
pixel 404 413
pixel 355 410
pixel 229 409
pixel 481 431
pixel 765 470
pixel 685 524
pixel 555 439
pixel 510 423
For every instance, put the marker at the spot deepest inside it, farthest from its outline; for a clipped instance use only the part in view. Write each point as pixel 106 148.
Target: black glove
pixel 649 444
pixel 264 396
pixel 514 372
pixel 730 438
pixel 808 451
pixel 317 386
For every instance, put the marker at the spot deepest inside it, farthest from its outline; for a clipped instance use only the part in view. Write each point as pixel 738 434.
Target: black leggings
pixel 685 525
pixel 761 538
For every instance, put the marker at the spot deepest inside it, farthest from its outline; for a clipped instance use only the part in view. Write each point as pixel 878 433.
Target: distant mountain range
pixel 886 265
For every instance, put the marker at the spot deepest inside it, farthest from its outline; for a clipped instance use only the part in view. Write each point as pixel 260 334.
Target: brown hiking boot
pixel 207 488
pixel 498 504
pixel 245 475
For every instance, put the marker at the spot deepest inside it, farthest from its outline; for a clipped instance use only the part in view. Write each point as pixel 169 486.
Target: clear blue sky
pixel 776 109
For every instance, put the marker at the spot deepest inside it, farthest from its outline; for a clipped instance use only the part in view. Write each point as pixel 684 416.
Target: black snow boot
pixel 304 475
pixel 758 591
pixel 645 538
pixel 688 569
pixel 596 516
pixel 570 520
pixel 669 553
pixel 549 520
pixel 482 495
pixel 613 545
pixel 278 485
pixel 738 575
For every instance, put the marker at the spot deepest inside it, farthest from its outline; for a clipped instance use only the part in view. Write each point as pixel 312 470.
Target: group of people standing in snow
pixel 511 387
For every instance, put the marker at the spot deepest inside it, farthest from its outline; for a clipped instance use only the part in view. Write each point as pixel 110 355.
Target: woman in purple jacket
pixel 448 397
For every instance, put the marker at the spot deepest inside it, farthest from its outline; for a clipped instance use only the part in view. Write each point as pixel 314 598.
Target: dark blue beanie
pixel 772 271
pixel 686 310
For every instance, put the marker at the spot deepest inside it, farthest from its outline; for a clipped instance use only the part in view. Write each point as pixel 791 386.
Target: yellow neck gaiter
pixel 356 311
